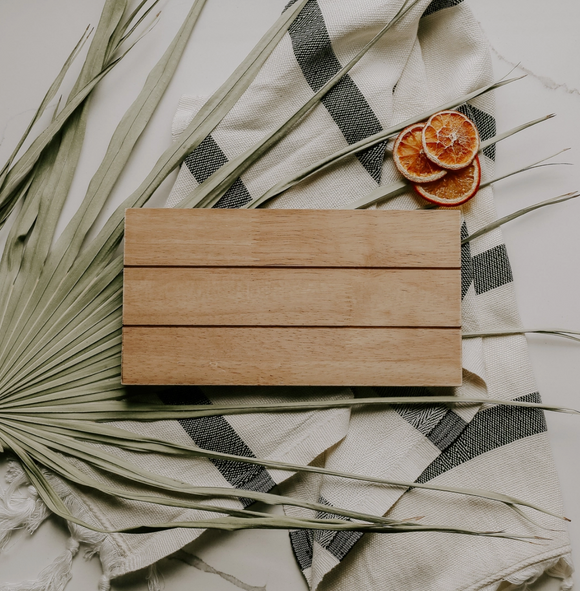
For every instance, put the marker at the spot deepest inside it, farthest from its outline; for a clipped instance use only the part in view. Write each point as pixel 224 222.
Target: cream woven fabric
pixel 435 54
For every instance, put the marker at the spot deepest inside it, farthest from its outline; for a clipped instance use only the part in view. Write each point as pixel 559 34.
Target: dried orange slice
pixel 455 188
pixel 450 140
pixel 410 159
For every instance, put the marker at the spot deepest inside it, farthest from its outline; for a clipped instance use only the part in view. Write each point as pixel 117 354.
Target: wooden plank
pixel 275 237
pixel 292 297
pixel 291 356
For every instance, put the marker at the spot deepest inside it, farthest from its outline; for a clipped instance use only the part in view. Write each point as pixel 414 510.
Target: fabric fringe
pixel 20 505
pixel 563 569
pixel 559 568
pixel 54 577
pixel 155 579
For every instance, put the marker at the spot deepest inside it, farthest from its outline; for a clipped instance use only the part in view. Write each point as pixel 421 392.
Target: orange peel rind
pixel 455 188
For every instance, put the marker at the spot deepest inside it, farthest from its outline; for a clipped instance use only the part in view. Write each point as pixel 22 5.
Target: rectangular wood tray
pixel 292 297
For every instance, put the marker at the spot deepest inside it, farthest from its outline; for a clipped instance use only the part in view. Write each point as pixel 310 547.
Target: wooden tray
pixel 292 297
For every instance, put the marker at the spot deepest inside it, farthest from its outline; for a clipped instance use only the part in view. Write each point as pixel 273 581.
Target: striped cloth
pixel 436 53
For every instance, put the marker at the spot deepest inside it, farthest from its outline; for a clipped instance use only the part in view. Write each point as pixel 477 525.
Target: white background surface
pixel 544 247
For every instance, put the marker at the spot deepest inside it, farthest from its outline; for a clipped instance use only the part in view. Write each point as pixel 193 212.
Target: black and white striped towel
pixel 436 53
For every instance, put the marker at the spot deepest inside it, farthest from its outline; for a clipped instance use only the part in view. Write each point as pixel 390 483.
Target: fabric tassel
pixel 563 570
pixel 54 577
pixel 523 580
pixel 154 579
pixel 20 505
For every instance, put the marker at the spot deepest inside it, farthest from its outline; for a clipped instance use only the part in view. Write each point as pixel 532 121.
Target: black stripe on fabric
pixel 485 124
pixel 491 269
pixel 447 430
pixel 466 263
pixel 437 5
pixel 206 159
pixel 439 424
pixel 343 543
pixel 489 429
pixel 337 543
pixel 423 418
pixel 216 434
pixel 345 102
pixel 236 196
pixel 301 541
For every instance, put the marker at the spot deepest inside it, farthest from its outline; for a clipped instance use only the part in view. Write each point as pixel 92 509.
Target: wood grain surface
pixel 300 237
pixel 291 297
pixel 288 355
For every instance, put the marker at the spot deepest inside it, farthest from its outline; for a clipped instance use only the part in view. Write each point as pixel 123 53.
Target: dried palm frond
pixel 61 302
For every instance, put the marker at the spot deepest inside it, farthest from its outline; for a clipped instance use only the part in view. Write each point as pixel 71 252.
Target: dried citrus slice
pixel 409 158
pixel 455 188
pixel 450 140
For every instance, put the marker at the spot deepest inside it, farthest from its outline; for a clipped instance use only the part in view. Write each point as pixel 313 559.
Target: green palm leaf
pixel 61 302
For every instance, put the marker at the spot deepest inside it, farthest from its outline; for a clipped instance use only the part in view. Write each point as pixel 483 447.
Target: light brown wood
pixel 291 356
pixel 275 237
pixel 291 297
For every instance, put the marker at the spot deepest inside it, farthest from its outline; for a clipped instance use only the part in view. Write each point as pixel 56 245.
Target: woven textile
pixel 436 53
